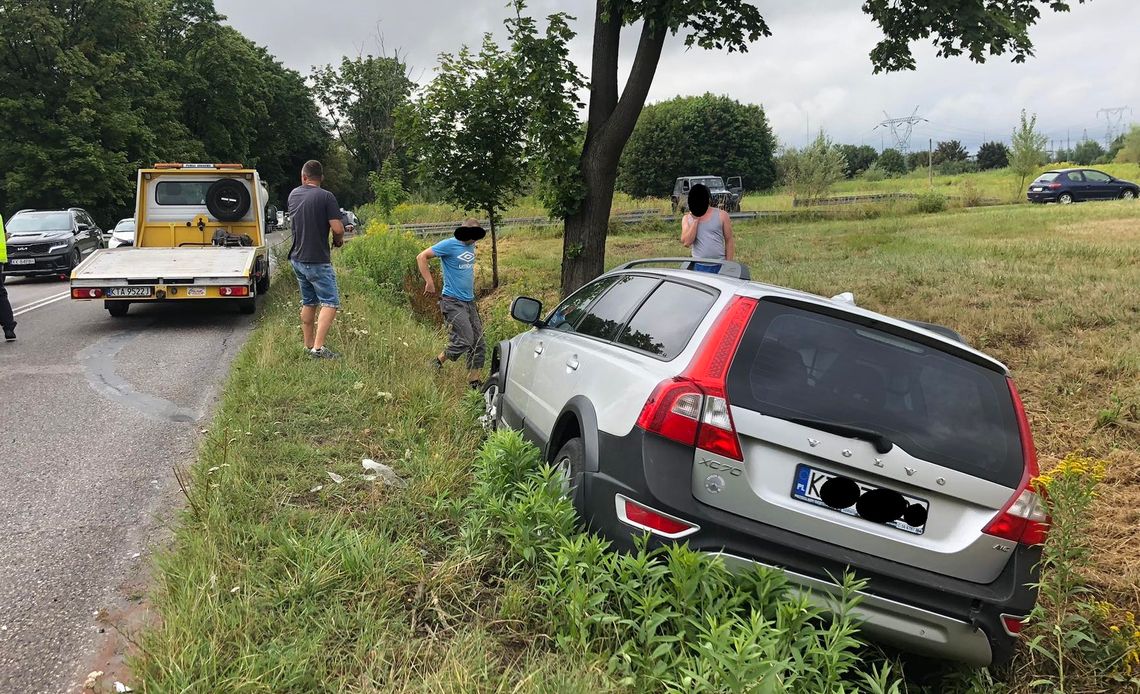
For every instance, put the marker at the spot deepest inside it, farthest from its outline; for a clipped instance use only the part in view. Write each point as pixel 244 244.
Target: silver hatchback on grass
pixel 774 427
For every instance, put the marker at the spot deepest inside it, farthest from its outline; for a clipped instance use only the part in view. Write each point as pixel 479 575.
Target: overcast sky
pixel 813 72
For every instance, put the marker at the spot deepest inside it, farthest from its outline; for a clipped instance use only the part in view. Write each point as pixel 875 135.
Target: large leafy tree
pixel 693 135
pixel 1087 152
pixel 858 158
pixel 976 28
pixel 892 161
pixel 948 151
pixel 993 155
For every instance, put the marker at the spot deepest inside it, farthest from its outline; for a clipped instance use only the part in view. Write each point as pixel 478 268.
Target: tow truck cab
pixel 199 235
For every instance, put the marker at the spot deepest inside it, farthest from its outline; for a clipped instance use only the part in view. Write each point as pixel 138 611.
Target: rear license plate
pixel 22 261
pixel 196 291
pixel 131 292
pixel 854 498
pixel 1038 190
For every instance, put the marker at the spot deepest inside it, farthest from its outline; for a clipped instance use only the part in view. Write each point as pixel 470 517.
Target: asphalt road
pixel 94 413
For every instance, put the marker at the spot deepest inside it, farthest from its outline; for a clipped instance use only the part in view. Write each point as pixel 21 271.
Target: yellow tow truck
pixel 199 235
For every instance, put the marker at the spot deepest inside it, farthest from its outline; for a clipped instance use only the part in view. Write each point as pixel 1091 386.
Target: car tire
pixel 1128 194
pixel 76 259
pixel 117 309
pixel 492 418
pixel 228 200
pixel 1065 198
pixel 570 463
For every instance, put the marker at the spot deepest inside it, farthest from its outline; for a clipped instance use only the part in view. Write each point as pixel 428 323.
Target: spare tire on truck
pixel 228 200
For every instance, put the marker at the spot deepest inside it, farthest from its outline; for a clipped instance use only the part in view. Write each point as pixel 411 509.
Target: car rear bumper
pixel 914 609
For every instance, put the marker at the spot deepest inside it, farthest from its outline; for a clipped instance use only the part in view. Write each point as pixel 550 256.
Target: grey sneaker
pixel 10 334
pixel 323 353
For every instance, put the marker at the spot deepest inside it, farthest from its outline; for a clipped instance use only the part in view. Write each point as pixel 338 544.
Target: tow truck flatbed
pixel 127 265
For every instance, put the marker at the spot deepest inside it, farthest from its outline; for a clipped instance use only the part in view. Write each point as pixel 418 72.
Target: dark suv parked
pixel 773 427
pixel 50 242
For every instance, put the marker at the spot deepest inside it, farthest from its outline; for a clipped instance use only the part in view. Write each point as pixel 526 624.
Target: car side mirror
pixel 82 227
pixel 527 310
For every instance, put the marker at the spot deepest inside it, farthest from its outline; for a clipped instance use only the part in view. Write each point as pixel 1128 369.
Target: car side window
pixel 667 320
pixel 570 312
pixel 610 312
pixel 1097 176
pixel 1075 176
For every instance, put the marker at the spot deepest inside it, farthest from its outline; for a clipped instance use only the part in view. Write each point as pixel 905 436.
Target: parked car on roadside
pixel 723 197
pixel 1076 185
pixel 773 427
pixel 123 234
pixel 50 242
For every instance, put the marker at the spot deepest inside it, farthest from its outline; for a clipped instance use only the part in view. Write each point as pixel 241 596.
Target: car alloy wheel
pixel 491 393
pixel 1065 198
pixel 1128 195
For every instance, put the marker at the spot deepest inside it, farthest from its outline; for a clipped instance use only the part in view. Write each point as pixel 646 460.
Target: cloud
pixel 814 71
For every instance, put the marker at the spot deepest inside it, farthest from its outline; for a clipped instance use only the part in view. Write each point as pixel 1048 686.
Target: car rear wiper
pixel 879 440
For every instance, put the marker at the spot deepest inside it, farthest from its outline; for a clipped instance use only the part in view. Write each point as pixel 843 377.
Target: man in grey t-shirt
pixel 315 213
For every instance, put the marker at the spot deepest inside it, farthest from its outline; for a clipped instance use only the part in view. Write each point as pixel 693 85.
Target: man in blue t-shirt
pixel 457 256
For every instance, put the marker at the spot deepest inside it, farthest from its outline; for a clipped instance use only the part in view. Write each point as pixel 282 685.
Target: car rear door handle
pixel 572 364
pixel 538 349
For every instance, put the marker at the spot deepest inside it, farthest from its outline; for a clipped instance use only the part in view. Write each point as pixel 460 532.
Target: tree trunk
pixel 610 124
pixel 494 252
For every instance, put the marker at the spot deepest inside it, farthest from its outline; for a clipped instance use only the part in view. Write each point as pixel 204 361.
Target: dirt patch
pixel 119 625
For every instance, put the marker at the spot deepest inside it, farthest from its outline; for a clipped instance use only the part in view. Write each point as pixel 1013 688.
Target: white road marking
pixel 26 308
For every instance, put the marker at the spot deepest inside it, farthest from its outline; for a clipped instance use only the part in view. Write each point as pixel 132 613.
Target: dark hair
pixel 699 199
pixel 313 170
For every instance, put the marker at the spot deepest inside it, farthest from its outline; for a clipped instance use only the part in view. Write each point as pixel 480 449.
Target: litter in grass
pixel 383 474
pixel 335 477
pixel 316 489
pixel 120 687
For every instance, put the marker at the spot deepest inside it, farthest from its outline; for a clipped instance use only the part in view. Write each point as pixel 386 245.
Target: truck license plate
pixel 131 292
pixel 22 261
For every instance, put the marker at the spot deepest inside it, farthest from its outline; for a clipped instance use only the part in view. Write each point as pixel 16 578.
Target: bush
pixel 665 619
pixel 875 173
pixel 957 167
pixel 971 194
pixel 929 203
pixel 386 257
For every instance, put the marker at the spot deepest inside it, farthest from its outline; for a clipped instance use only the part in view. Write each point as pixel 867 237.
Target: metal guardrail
pixel 851 199
pixel 443 228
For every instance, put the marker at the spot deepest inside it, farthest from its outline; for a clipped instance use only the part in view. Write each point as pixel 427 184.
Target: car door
pixel 1075 185
pixel 1100 185
pixel 569 357
pixel 87 234
pixel 528 351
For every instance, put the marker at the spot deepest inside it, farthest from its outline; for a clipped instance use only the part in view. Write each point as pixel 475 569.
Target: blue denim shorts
pixel 318 284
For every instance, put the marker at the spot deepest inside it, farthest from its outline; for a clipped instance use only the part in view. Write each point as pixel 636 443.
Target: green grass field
pixel 281 579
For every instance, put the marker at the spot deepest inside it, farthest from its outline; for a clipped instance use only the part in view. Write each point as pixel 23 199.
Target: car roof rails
pixel 728 268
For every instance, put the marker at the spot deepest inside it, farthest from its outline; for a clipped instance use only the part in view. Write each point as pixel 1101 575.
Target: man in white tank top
pixel 707 230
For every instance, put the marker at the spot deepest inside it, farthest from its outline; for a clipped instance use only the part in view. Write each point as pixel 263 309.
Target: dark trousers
pixel 7 321
pixel 466 331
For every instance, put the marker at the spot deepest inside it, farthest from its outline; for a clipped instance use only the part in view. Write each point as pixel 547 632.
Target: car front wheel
pixel 492 417
pixel 1128 195
pixel 570 462
pixel 1065 198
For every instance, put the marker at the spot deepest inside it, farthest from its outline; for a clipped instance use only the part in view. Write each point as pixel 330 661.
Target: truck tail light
pixel 82 293
pixel 234 291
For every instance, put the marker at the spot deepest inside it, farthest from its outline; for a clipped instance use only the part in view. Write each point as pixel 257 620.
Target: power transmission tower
pixel 1114 122
pixel 901 128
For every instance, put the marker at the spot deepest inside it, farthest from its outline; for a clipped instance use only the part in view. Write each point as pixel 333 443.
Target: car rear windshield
pixel 1048 176
pixel 35 222
pixel 799 363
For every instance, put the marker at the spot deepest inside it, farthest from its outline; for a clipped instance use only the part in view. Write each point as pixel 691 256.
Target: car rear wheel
pixel 1128 195
pixel 570 462
pixel 247 306
pixel 1065 198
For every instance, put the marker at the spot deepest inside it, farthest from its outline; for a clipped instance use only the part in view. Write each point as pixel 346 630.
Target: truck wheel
pixel 117 309
pixel 263 283
pixel 247 306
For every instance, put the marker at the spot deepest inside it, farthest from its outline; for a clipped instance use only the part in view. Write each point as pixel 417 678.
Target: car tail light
pixel 1024 518
pixel 646 518
pixel 1012 624
pixel 86 293
pixel 1054 186
pixel 234 291
pixel 693 408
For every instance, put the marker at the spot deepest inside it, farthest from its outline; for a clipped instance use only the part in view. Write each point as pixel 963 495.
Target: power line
pixel 1114 122
pixel 901 128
